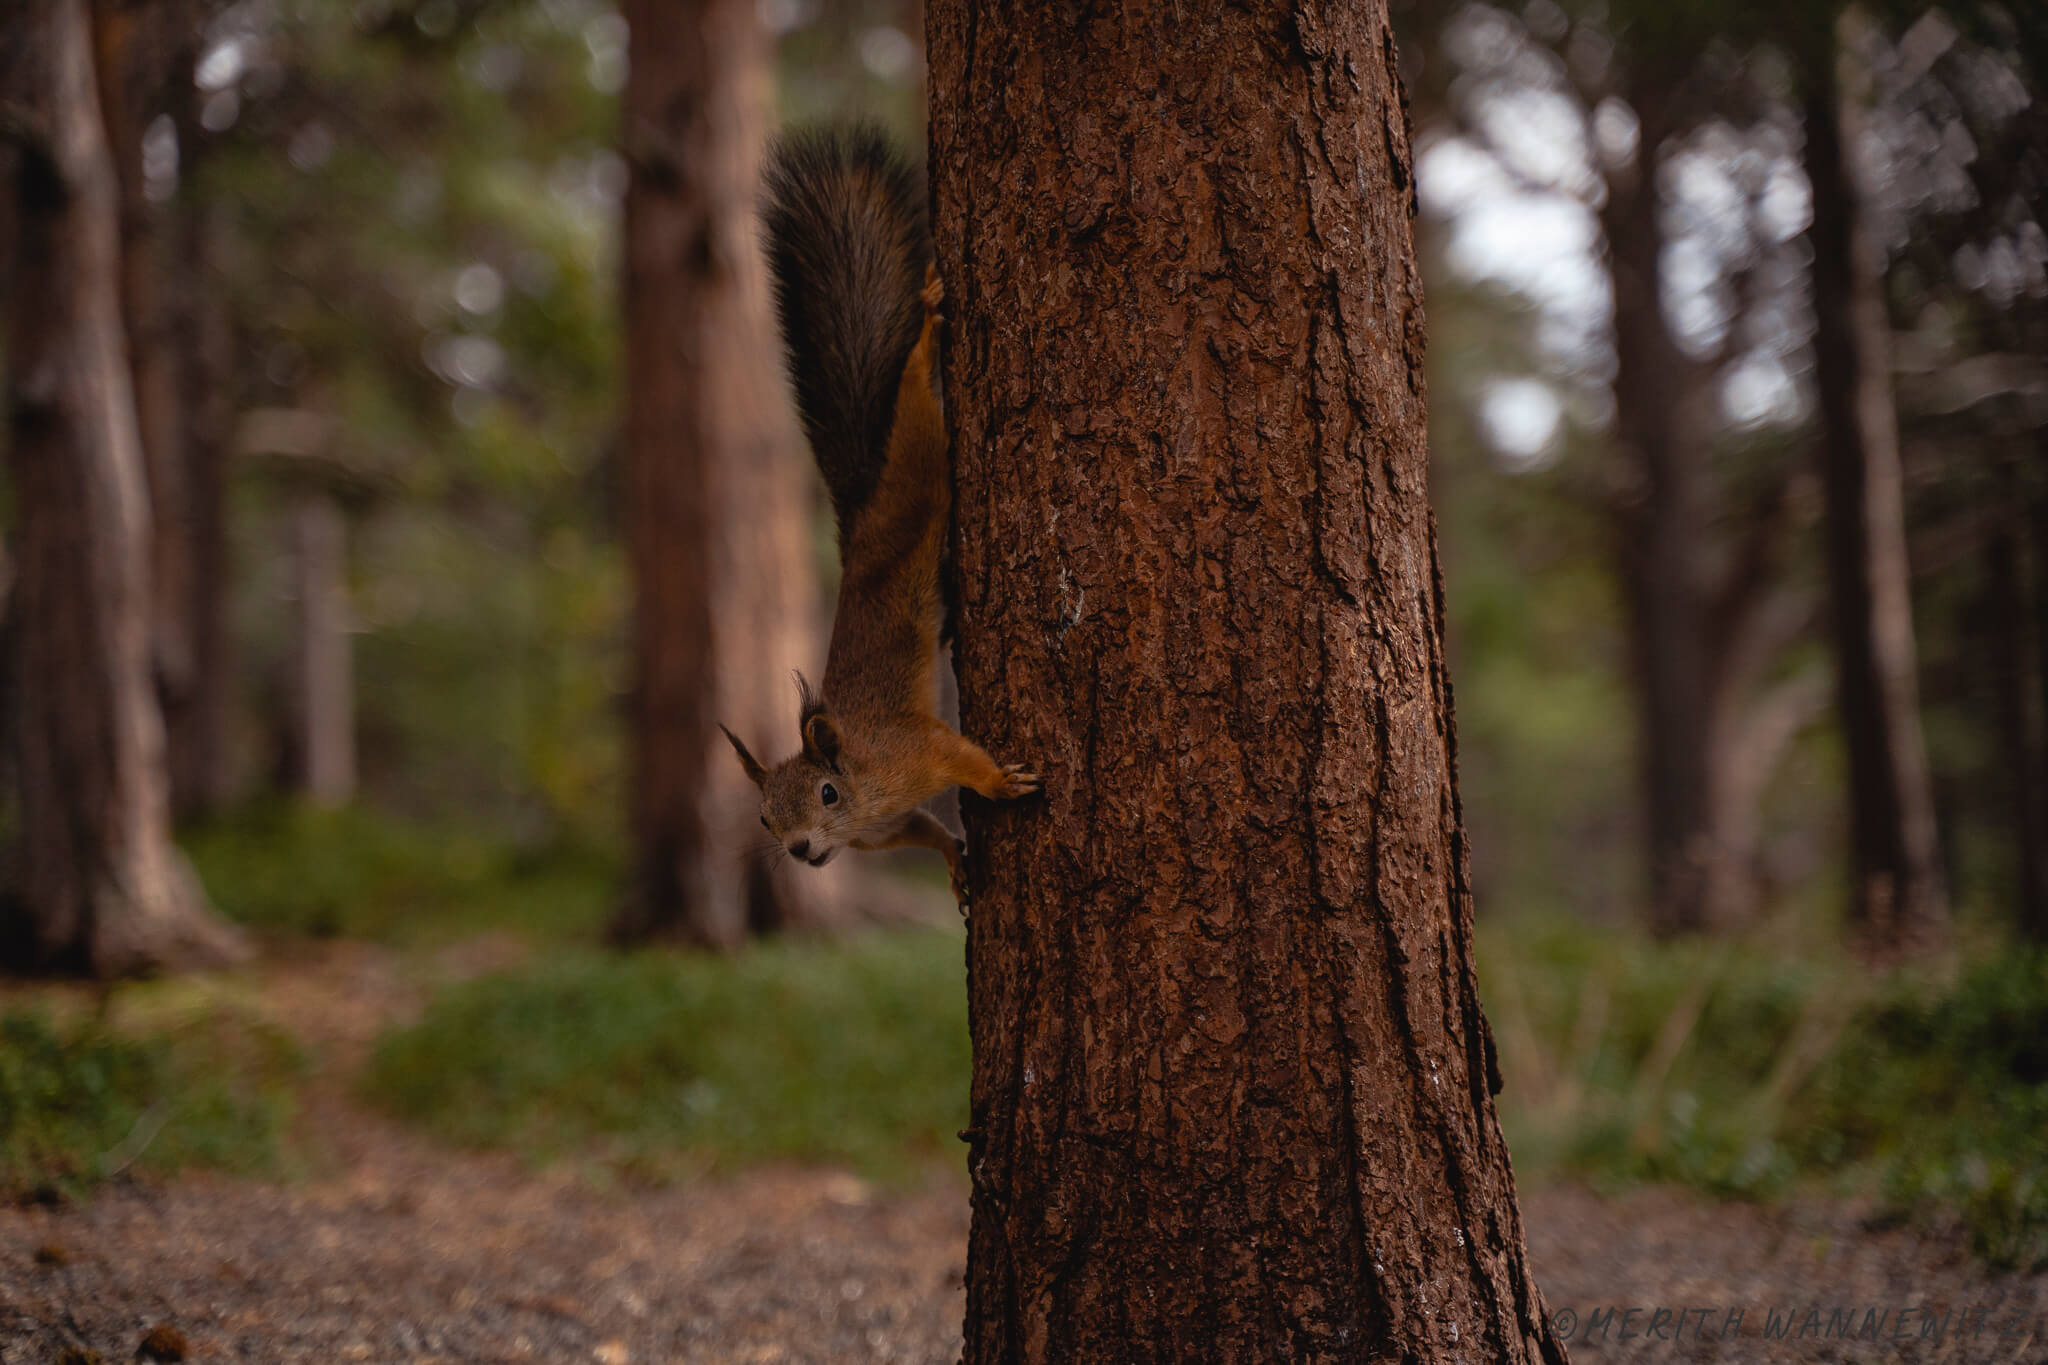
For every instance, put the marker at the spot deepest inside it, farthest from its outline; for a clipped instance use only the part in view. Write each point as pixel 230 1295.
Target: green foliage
pixel 358 873
pixel 1746 1069
pixel 1546 737
pixel 417 210
pixel 1946 1093
pixel 661 1064
pixel 80 1104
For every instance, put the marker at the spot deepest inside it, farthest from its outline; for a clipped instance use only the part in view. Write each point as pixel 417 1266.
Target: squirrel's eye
pixel 765 825
pixel 828 793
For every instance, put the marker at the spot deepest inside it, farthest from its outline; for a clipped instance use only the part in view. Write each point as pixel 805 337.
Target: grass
pixel 1945 1096
pixel 296 870
pixel 1740 1069
pixel 1745 1068
pixel 661 1065
pixel 80 1104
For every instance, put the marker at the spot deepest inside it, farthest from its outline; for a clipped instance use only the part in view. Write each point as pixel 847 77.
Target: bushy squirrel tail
pixel 847 247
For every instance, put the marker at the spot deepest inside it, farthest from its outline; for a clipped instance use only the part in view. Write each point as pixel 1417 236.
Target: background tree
pixel 145 53
pixel 410 213
pixel 1696 592
pixel 1643 124
pixel 1895 893
pixel 1232 1087
pixel 1959 116
pixel 716 496
pixel 102 888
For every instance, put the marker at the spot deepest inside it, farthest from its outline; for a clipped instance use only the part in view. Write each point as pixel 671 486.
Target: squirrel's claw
pixel 1017 782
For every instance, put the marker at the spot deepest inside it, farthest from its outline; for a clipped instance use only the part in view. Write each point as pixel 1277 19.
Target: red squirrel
pixel 858 301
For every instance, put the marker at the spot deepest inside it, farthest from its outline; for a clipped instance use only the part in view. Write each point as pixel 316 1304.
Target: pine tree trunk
pixel 1232 1093
pixel 718 495
pixel 1662 419
pixel 2034 919
pixel 1896 895
pixel 102 887
pixel 323 664
pixel 138 53
pixel 2012 658
pixel 202 767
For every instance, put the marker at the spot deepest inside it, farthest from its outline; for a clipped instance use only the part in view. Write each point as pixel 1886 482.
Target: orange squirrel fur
pixel 847 245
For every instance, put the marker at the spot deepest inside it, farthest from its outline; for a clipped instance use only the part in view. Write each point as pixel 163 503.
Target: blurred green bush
pixel 287 868
pixel 1750 1069
pixel 660 1065
pixel 80 1104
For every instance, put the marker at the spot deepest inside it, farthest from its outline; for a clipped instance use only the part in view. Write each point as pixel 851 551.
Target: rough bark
pixel 102 888
pixel 718 504
pixel 1897 900
pixel 1232 1093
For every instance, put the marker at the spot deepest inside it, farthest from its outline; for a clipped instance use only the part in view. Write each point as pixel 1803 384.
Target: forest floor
pixel 396 1248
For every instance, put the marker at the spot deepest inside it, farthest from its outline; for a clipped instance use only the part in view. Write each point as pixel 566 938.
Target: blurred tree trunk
pixel 718 494
pixel 1232 1094
pixel 1896 895
pixel 1664 415
pixel 1661 422
pixel 2015 656
pixel 145 51
pixel 323 673
pixel 202 760
pixel 102 888
pixel 2034 848
pixel 1704 621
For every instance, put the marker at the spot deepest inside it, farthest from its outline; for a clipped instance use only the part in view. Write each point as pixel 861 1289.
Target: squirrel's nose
pixel 800 849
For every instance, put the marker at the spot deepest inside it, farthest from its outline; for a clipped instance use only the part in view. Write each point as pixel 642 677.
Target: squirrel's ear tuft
pixel 756 774
pixel 821 740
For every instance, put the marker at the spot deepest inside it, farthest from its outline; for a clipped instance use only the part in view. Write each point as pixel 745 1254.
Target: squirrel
pixel 858 299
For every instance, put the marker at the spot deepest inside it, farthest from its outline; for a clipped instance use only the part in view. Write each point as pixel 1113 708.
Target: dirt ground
pixel 401 1251
pixel 421 1256
pixel 417 1255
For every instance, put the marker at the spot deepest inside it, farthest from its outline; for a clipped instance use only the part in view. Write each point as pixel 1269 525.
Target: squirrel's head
pixel 809 800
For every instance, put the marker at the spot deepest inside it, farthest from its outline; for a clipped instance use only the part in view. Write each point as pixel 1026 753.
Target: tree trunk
pixel 323 671
pixel 202 761
pixel 1232 1093
pixel 718 496
pixel 2034 920
pixel 102 887
pixel 144 51
pixel 1662 417
pixel 2014 650
pixel 1897 900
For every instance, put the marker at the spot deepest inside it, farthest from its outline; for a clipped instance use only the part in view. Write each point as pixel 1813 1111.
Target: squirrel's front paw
pixel 934 289
pixel 1016 782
